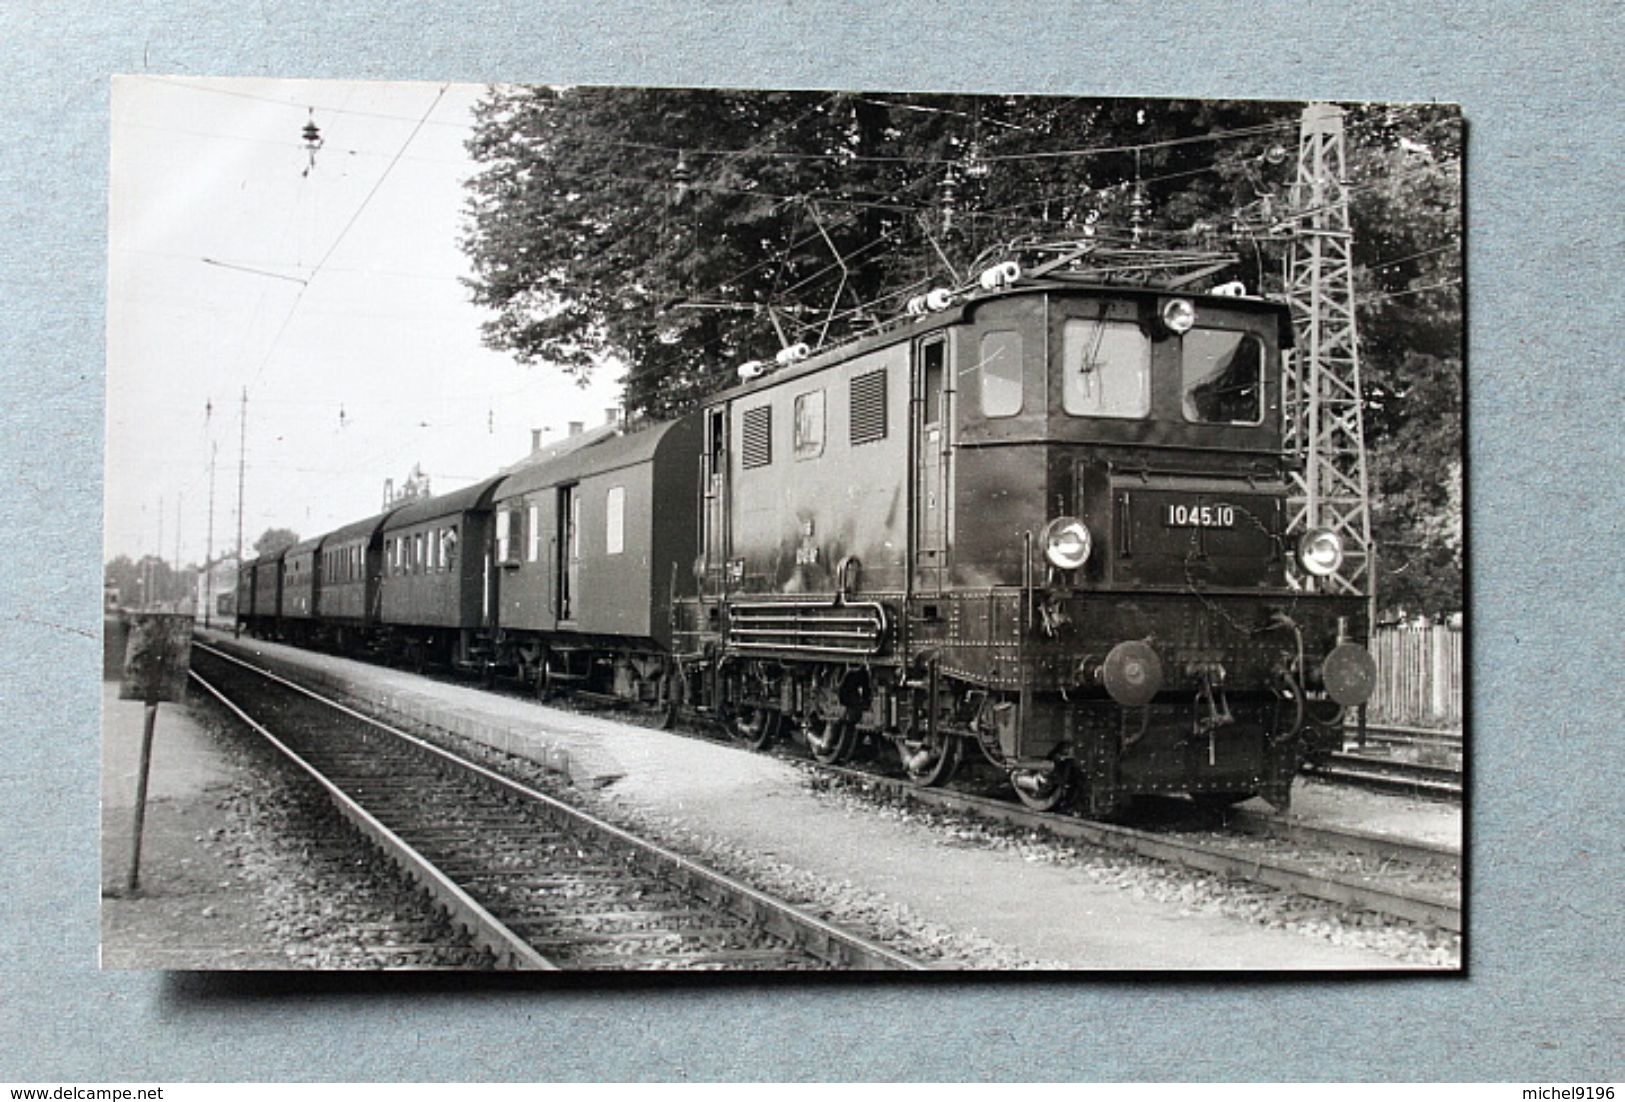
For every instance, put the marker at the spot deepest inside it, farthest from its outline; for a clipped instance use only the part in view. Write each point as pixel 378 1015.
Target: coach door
pixel 930 446
pixel 569 557
pixel 713 509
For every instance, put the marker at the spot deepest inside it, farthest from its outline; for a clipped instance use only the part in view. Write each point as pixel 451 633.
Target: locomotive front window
pixel 1106 368
pixel 1223 377
pixel 1000 370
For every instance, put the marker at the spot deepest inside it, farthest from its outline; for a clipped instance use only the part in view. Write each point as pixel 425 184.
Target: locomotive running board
pixel 854 630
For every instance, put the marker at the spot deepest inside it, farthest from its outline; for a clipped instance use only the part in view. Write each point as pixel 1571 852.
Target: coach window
pixel 615 520
pixel 808 437
pixel 418 557
pixel 1000 369
pixel 534 550
pixel 1106 368
pixel 451 548
pixel 1223 377
pixel 504 536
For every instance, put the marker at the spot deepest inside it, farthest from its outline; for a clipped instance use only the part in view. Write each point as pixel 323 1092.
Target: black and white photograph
pixel 605 528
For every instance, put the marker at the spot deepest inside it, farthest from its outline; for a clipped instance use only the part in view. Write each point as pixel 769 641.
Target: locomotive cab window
pixel 1000 370
pixel 931 373
pixel 1223 377
pixel 1106 368
pixel 808 435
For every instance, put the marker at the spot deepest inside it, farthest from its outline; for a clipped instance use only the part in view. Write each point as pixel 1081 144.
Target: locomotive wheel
pixel 933 763
pixel 1043 790
pixel 830 740
pixel 756 727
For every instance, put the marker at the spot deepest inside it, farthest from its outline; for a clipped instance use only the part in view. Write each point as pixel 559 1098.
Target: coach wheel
pixel 756 727
pixel 830 740
pixel 546 688
pixel 934 761
pixel 673 689
pixel 1043 789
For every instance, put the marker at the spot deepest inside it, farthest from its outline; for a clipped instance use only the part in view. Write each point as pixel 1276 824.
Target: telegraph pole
pixel 208 551
pixel 242 456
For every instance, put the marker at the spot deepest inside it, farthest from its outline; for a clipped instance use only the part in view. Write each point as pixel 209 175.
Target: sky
pixel 327 284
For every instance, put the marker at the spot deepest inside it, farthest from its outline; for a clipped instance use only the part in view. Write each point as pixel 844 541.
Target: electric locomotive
pixel 1041 522
pixel 1044 523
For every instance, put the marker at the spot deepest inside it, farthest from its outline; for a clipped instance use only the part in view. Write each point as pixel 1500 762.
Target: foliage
pixel 274 540
pixel 1405 169
pixel 680 233
pixel 685 232
pixel 135 578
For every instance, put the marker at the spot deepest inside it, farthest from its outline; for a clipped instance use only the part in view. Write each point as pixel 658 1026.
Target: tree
pixel 149 581
pixel 274 540
pixel 1405 167
pixel 685 232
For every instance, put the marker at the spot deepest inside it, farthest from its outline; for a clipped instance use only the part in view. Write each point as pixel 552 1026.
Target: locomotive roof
pixel 361 527
pixel 610 454
pixel 908 327
pixel 458 501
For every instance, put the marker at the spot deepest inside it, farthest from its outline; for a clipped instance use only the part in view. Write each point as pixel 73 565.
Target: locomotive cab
pixel 1118 592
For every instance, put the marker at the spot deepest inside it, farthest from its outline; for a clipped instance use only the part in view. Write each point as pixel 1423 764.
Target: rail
pixel 823 942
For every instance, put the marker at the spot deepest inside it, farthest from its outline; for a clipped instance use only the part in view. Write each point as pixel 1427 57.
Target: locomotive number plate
pixel 1199 516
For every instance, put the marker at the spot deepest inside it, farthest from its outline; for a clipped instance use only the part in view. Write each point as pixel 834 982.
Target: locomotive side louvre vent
pixel 869 407
pixel 757 445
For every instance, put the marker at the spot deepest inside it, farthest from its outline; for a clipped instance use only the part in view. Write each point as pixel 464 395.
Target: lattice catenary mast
pixel 1325 425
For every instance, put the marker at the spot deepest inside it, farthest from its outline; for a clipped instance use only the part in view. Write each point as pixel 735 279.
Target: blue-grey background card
pixel 1541 1000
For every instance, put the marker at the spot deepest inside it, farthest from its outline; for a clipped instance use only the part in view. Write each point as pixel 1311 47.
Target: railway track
pixel 539 884
pixel 1389 775
pixel 1380 734
pixel 1413 881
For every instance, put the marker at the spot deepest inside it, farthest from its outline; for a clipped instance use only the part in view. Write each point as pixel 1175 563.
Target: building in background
pixel 216 596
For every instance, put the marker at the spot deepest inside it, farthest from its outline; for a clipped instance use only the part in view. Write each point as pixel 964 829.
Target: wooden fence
pixel 1418 676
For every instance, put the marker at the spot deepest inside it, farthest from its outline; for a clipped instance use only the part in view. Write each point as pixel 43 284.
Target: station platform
pixel 1053 914
pixel 193 910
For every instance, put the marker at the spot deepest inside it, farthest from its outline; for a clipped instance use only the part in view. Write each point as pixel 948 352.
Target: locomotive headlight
pixel 1066 542
pixel 1321 551
pixel 1178 314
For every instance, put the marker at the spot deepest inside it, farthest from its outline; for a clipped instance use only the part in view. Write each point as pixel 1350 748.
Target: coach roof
pixel 477 496
pixel 610 454
pixel 359 528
